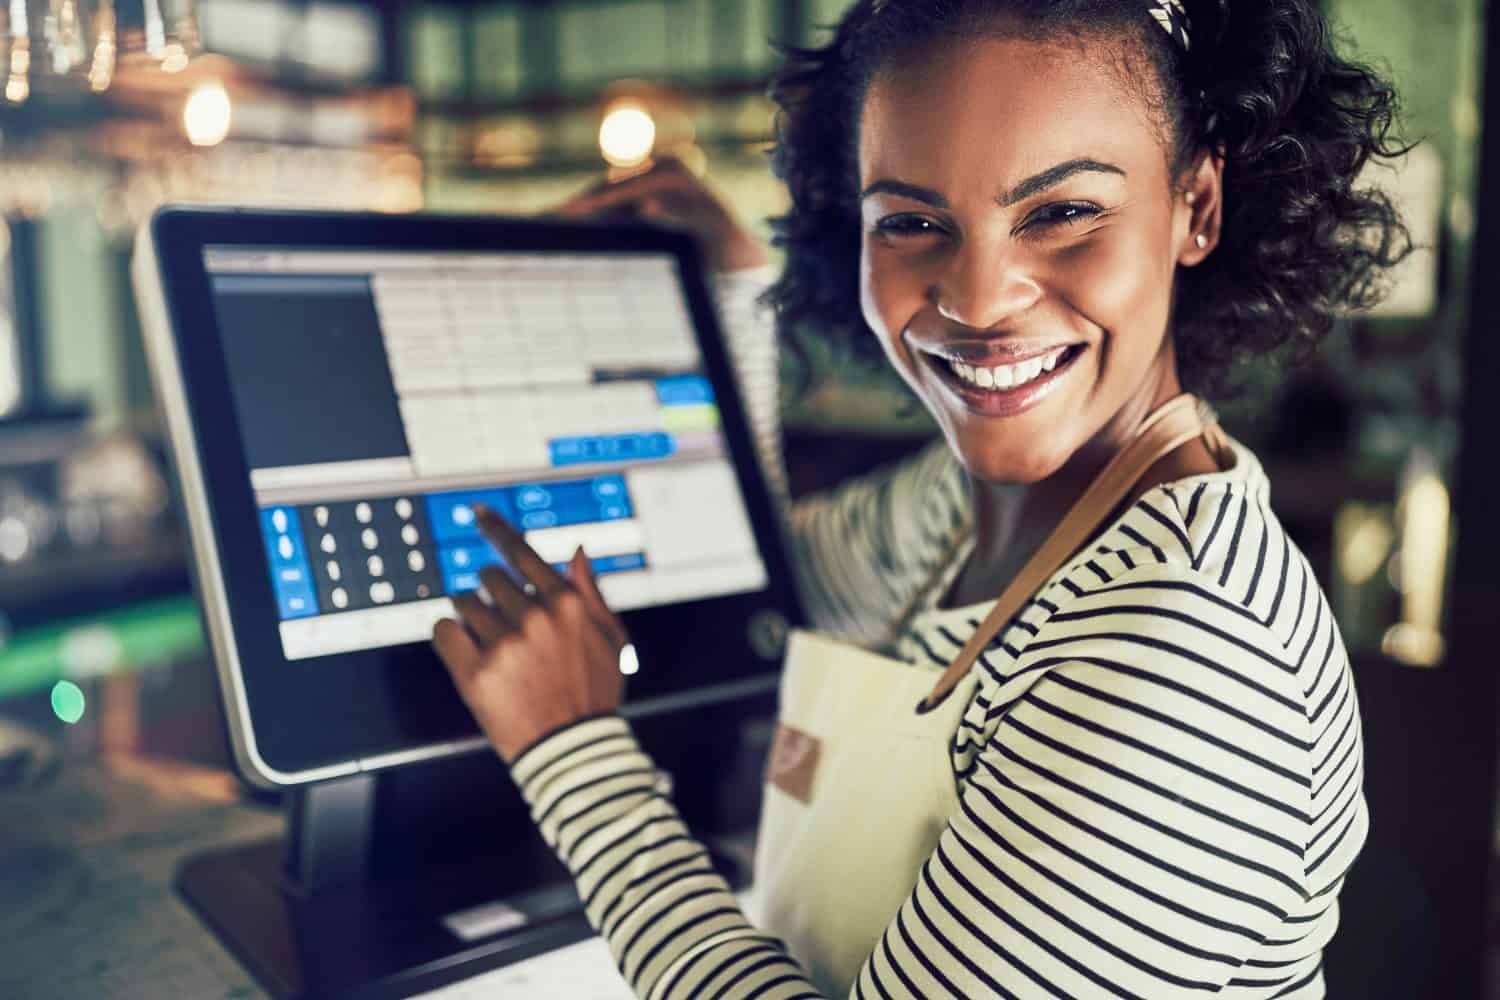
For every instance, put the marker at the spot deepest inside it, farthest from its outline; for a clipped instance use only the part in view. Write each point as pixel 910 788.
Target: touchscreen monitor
pixel 381 394
pixel 340 390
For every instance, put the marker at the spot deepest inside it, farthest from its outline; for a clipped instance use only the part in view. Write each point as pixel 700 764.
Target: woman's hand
pixel 541 657
pixel 669 193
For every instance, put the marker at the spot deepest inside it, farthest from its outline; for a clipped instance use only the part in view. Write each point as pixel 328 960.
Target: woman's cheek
pixel 1113 282
pixel 869 285
pixel 889 294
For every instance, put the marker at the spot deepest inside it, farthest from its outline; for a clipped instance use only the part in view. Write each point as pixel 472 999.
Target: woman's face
pixel 1021 234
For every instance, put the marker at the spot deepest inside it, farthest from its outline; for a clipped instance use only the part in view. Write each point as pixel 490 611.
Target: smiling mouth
pixel 1006 378
pixel 1005 390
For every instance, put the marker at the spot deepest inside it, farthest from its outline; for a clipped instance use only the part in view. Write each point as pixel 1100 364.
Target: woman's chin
pixel 989 463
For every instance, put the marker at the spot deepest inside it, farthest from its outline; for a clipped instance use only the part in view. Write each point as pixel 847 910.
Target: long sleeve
pixel 865 548
pixel 1135 823
pixel 647 885
pixel 861 550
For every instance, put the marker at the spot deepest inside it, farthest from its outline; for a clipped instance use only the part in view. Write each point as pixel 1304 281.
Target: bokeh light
pixel 630 663
pixel 207 114
pixel 627 134
pixel 67 701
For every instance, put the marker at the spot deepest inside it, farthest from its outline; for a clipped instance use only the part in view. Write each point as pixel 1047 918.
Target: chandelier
pixel 88 42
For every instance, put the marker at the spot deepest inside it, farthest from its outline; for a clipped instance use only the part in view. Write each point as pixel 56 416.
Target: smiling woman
pixel 1080 722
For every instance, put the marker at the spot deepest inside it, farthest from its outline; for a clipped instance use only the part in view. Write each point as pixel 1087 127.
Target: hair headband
pixel 1173 17
pixel 1170 14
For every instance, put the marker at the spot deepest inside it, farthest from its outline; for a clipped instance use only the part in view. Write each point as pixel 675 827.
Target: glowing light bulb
pixel 18 84
pixel 627 134
pixel 207 114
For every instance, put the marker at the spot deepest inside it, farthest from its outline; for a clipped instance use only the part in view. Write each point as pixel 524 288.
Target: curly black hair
pixel 1262 82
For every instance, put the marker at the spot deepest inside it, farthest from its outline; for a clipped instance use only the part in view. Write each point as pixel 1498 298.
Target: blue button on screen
pixel 641 446
pixel 463 551
pixel 684 390
pixel 291 575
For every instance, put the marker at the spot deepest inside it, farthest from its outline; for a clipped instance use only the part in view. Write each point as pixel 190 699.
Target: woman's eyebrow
pixel 1053 176
pixel 1025 189
pixel 904 190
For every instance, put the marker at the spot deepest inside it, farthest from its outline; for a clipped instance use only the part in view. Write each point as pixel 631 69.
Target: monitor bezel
pixel 292 722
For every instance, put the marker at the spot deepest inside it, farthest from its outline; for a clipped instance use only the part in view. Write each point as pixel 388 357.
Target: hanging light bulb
pixel 160 33
pixel 63 30
pixel 102 65
pixel 18 54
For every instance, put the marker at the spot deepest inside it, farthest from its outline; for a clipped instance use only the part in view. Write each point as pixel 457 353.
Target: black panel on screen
pixel 299 348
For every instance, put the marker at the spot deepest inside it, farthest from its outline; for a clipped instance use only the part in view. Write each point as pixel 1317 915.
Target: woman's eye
pixel 1062 213
pixel 907 225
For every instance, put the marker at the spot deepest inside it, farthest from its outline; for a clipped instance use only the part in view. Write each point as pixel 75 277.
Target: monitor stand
pixel 378 889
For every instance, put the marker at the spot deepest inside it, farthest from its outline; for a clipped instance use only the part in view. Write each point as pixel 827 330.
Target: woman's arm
pixel 1135 824
pixel 647 884
pixel 863 549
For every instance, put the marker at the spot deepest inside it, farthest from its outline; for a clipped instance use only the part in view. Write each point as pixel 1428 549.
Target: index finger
pixel 512 544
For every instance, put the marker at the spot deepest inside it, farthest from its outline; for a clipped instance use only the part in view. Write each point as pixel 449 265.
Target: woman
pixel 1052 215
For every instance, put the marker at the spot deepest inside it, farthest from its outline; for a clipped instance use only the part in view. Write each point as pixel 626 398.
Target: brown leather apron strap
pixel 1173 424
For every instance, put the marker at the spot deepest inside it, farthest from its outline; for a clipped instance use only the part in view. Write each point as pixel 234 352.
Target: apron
pixel 859 783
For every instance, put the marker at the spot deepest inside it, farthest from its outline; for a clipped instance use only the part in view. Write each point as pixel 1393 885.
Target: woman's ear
pixel 1199 216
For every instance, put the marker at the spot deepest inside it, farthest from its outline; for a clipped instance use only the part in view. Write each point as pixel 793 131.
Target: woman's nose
pixel 984 290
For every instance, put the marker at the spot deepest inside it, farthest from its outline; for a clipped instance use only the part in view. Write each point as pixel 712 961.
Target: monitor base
pixel 371 940
pixel 393 884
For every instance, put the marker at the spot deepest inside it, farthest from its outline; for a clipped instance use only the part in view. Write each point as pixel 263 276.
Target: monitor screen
pixel 380 394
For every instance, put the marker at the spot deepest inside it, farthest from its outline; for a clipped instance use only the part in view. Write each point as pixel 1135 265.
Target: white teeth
pixel 1007 376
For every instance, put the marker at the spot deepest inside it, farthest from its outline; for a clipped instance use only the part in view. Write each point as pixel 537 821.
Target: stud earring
pixel 1202 241
pixel 1190 197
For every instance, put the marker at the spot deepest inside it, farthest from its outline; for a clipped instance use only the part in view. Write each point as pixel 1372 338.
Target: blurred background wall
pixel 111 107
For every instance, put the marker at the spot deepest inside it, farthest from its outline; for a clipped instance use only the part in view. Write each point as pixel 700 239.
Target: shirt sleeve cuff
pixel 569 747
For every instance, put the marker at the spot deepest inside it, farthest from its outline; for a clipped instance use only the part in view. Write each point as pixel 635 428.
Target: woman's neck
pixel 1012 520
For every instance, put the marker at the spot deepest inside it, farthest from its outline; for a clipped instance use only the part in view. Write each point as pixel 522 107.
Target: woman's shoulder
pixel 1160 632
pixel 1217 529
pixel 1207 548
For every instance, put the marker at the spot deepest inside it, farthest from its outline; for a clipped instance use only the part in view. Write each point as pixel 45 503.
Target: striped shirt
pixel 1159 773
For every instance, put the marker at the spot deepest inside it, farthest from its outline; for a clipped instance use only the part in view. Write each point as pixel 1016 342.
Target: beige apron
pixel 860 783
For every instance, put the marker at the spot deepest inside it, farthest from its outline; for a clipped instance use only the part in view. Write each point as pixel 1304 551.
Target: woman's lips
pixel 991 355
pixel 1010 400
pixel 1005 376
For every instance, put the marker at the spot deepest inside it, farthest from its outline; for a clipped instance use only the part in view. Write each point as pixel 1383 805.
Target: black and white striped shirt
pixel 1159 774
